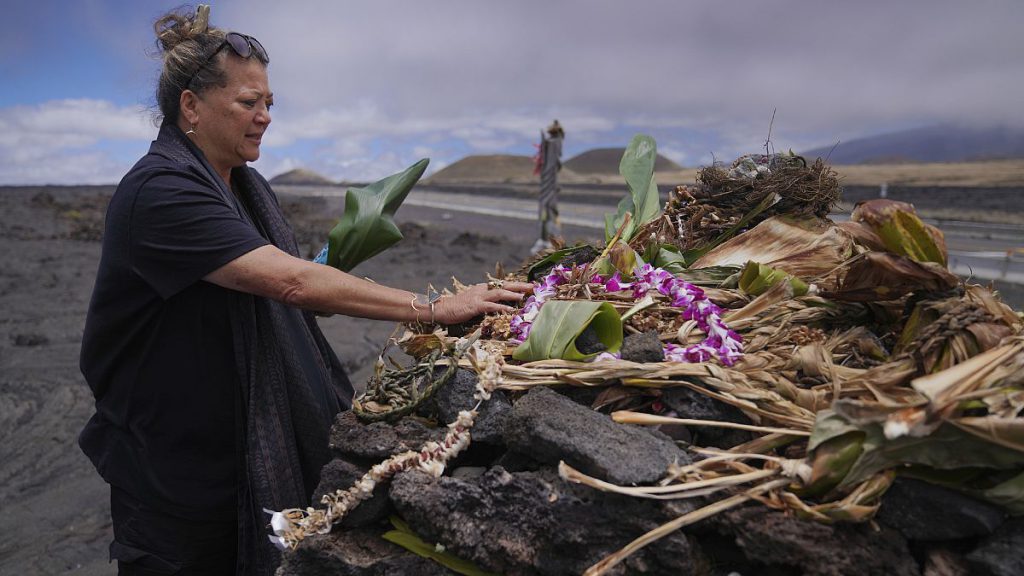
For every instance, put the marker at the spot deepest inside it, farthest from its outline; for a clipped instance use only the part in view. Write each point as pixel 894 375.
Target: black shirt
pixel 157 349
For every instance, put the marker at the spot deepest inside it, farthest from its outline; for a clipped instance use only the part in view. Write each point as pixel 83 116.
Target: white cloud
pixel 64 141
pixel 833 66
pixel 366 88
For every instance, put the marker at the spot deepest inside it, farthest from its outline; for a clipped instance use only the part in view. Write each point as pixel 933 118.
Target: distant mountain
pixel 943 143
pixel 606 161
pixel 301 176
pixel 486 168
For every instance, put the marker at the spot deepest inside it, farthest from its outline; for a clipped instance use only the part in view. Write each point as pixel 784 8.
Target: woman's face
pixel 231 120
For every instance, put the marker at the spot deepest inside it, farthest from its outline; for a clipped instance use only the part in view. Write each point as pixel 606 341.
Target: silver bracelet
pixel 432 297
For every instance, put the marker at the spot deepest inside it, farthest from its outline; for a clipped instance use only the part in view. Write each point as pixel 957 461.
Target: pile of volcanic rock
pixel 502 505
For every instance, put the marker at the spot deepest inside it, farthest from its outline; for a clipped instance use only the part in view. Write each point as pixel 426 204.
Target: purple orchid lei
pixel 721 341
pixel 522 322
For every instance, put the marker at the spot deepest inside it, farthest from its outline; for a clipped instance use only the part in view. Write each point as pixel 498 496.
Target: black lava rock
pixel 690 404
pixel 644 347
pixel 550 427
pixel 923 511
pixel 536 523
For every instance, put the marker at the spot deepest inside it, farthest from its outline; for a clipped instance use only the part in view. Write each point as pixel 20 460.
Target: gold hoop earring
pixel 191 130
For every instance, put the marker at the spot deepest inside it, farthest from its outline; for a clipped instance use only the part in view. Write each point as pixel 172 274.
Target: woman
pixel 215 389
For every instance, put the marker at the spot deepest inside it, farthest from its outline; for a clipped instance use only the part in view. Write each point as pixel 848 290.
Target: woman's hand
pixel 479 299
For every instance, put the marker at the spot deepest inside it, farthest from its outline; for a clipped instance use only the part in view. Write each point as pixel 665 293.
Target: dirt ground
pixel 54 505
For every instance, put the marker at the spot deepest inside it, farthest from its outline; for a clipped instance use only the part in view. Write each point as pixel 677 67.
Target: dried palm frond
pixel 807 248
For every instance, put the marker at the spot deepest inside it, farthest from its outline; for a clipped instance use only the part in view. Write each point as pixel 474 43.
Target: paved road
pixel 981 251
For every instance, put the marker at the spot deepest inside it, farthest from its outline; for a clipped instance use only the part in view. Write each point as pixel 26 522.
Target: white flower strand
pixel 291 526
pixel 488 368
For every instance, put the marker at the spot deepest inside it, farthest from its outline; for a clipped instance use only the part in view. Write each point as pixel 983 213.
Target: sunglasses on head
pixel 241 44
pixel 244 45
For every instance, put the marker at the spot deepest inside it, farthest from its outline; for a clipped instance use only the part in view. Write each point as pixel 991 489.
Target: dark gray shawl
pixel 292 384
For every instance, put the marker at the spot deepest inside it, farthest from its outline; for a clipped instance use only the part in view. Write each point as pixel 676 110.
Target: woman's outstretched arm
pixel 269 272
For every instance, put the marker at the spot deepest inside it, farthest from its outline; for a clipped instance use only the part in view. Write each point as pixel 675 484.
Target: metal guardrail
pixel 1005 266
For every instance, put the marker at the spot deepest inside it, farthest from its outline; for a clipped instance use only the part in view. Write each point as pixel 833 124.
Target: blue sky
pixel 363 89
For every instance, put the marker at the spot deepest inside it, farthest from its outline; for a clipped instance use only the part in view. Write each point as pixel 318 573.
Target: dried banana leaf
pixel 880 276
pixel 806 247
pixel 901 231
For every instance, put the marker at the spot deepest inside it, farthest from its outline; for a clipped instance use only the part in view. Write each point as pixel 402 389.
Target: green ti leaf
pixel 1008 494
pixel 560 322
pixel 406 538
pixel 367 227
pixel 757 278
pixel 667 257
pixel 534 272
pixel 643 202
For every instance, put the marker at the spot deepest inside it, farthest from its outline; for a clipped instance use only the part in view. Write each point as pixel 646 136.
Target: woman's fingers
pixel 496 307
pixel 503 295
pixel 503 289
pixel 481 299
pixel 521 287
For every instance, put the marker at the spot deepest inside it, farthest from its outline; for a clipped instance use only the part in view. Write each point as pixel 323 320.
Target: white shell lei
pixel 293 525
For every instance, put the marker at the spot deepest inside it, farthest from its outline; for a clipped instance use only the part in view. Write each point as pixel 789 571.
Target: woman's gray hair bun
pixel 186 43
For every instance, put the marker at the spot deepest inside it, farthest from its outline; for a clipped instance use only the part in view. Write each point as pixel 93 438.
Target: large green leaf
pixel 560 322
pixel 637 167
pixel 612 222
pixel 367 228
pixel 946 448
pixel 406 538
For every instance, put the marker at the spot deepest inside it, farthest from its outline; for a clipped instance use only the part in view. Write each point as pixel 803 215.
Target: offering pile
pixel 733 382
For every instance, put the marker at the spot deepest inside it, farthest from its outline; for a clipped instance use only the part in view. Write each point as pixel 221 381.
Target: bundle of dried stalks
pixel 696 217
